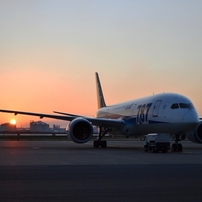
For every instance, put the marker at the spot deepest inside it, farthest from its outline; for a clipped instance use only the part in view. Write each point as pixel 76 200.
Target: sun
pixel 13 121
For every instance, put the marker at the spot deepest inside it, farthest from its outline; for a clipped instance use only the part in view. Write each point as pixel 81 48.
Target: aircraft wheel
pixel 179 147
pixel 165 150
pixel 174 147
pixel 103 144
pixel 153 150
pixel 145 148
pixel 96 144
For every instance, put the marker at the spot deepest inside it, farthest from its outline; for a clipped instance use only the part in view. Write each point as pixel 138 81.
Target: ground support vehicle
pixel 156 142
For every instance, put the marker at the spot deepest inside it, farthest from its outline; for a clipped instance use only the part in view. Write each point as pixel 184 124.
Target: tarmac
pixel 65 171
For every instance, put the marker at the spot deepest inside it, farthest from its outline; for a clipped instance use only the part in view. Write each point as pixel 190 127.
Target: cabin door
pixel 156 108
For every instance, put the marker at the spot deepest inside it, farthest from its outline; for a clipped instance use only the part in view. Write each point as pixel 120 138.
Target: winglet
pixel 100 96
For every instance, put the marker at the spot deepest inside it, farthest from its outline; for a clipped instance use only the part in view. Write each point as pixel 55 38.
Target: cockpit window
pixel 175 106
pixel 187 106
pixel 191 105
pixel 184 105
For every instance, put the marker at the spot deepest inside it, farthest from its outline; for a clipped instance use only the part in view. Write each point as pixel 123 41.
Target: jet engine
pixel 196 135
pixel 80 130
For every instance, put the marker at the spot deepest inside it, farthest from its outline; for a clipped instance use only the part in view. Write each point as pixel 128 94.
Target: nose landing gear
pixel 176 147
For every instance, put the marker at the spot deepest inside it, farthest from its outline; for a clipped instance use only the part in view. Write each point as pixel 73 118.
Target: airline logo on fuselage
pixel 142 114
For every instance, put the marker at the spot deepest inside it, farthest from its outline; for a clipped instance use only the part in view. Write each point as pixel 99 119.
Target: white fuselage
pixel 162 113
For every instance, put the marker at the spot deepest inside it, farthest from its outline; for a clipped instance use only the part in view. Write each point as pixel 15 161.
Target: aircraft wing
pixel 67 114
pixel 65 118
pixel 70 117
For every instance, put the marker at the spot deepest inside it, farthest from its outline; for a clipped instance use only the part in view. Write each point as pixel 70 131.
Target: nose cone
pixel 190 116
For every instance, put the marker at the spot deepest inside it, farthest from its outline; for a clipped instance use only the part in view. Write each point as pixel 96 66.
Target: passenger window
pixel 174 106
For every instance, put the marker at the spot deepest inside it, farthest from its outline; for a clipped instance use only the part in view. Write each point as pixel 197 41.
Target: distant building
pixel 39 126
pixel 7 127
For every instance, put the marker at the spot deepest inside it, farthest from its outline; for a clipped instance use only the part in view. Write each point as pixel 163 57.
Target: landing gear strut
pixel 176 146
pixel 99 142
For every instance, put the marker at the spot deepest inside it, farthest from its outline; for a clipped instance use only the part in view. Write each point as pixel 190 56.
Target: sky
pixel 51 49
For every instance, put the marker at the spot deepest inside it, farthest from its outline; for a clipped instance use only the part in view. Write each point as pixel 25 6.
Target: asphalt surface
pixel 64 171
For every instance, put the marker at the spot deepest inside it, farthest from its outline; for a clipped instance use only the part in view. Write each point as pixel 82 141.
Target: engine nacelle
pixel 196 135
pixel 80 130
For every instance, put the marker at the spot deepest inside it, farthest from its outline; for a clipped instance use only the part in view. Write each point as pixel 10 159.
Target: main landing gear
pixel 176 146
pixel 99 142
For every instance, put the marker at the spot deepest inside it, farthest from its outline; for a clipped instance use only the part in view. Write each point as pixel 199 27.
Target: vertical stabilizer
pixel 100 96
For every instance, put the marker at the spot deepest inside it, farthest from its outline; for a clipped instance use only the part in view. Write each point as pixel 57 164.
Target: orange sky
pixel 41 91
pixel 50 51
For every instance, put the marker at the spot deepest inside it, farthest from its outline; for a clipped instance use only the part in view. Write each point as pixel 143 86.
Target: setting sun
pixel 13 121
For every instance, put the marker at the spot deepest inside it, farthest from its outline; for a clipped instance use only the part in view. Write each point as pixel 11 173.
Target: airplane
pixel 169 113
